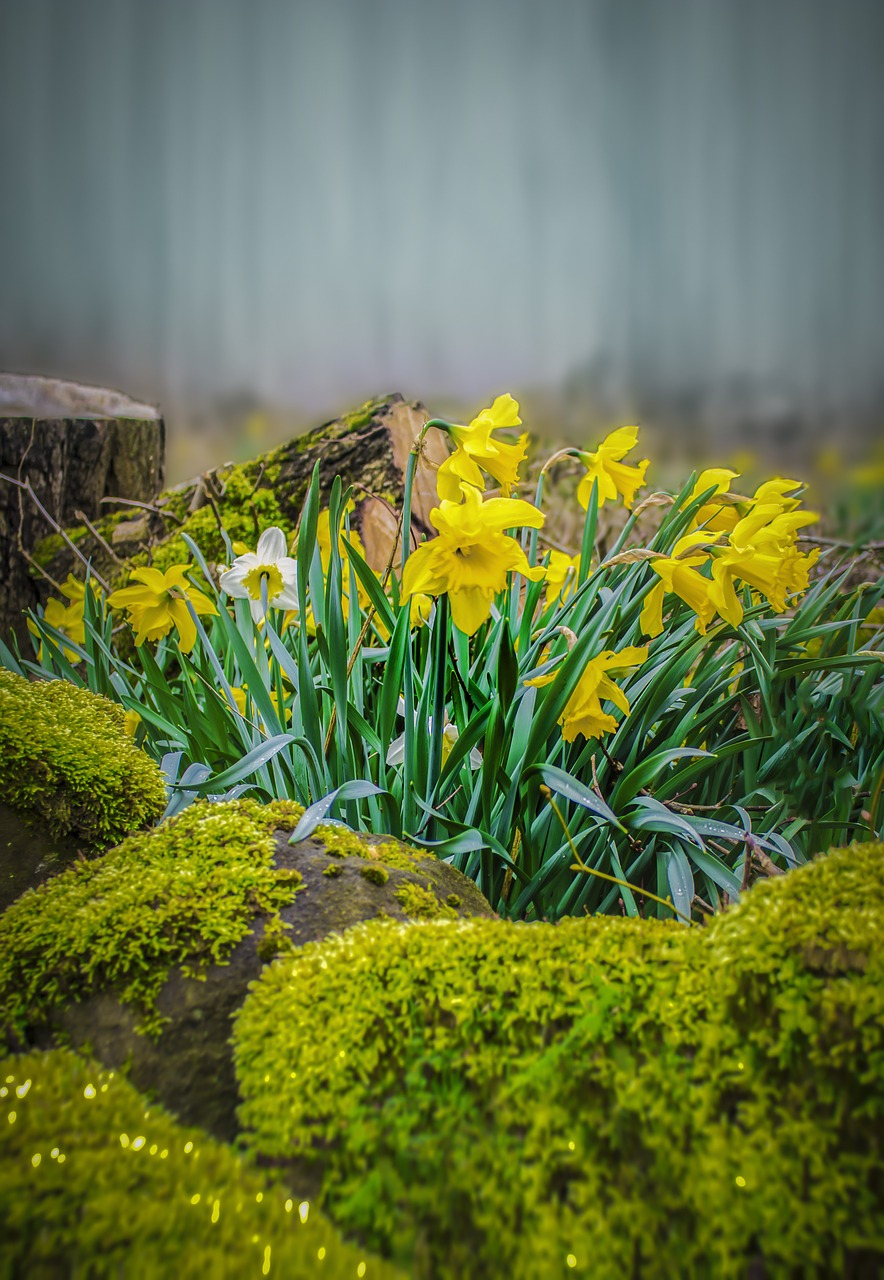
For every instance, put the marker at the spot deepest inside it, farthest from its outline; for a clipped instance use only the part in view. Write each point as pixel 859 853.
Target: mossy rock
pixel 70 772
pixel 97 1181
pixel 603 1097
pixel 146 953
pixel 367 447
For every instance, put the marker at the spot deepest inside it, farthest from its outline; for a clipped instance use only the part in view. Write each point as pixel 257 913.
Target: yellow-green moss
pixel 341 842
pixel 244 509
pixel 97 1181
pixel 421 903
pixel 181 895
pixel 333 870
pixel 67 762
pixel 602 1097
pixel 374 874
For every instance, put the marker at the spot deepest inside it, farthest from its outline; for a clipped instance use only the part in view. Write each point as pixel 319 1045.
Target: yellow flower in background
pixel 348 576
pixel 131 721
pixel 157 604
pixel 68 619
pixel 583 713
pixel 471 557
pixel 561 576
pixel 614 476
pixel 476 450
pixel 420 608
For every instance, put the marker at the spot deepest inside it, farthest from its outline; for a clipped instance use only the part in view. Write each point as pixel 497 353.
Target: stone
pixel 189 1067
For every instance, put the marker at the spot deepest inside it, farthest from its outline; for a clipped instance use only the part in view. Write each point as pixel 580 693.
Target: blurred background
pixel 260 212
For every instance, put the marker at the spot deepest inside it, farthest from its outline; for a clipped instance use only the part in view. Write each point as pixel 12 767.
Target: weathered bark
pixel 72 463
pixel 368 448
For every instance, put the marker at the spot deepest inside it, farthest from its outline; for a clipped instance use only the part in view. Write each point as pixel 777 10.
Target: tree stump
pixel 75 447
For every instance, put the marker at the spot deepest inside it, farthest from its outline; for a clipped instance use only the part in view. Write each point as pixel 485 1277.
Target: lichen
pixel 97 1180
pixel 67 763
pixel 624 1092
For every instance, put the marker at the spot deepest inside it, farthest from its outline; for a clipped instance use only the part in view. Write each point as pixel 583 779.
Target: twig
pixel 81 515
pixel 514 853
pixel 144 506
pixel 28 488
pixel 603 875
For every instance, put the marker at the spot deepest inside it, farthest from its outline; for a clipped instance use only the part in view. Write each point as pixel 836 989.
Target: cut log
pixel 368 448
pixel 76 447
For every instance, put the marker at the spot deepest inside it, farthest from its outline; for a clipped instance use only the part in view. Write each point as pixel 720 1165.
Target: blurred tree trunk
pixel 69 466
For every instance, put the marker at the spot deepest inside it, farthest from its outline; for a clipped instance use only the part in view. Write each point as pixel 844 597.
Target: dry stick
pixel 581 865
pixel 144 506
pixel 26 485
pixel 81 516
pixel 514 853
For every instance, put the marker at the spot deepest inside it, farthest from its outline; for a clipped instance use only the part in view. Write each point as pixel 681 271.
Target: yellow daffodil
pixel 614 476
pixel 268 568
pixel 471 557
pixel 420 608
pixel 67 618
pixel 583 713
pixel 679 575
pixel 715 514
pixel 131 721
pixel 476 451
pixel 348 576
pixel 561 576
pixel 157 604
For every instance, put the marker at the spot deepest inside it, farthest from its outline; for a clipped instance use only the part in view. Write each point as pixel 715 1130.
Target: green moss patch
pixel 601 1097
pixel 95 1181
pixel 67 762
pixel 181 895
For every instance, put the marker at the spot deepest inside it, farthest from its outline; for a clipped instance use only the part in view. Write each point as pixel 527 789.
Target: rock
pixel 187 872
pixel 75 446
pixel 28 856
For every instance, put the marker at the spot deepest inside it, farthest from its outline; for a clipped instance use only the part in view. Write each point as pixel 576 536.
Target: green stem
pixel 603 875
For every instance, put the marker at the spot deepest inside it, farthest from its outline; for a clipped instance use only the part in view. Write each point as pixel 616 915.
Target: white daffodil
pixel 269 564
pixel 450 735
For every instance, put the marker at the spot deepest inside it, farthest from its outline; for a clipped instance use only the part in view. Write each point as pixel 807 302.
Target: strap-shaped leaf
pixel 564 785
pixel 313 816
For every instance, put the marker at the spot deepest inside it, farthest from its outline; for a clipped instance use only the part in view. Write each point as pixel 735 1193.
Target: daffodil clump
pixel 640 728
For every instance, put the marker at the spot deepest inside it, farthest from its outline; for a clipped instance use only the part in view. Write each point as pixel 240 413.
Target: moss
pixel 245 510
pixel 96 1181
pixel 453 900
pixel 421 903
pixel 341 842
pixel 67 762
pixel 601 1097
pixel 333 870
pixel 181 895
pixel 376 875
pixel 46 549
